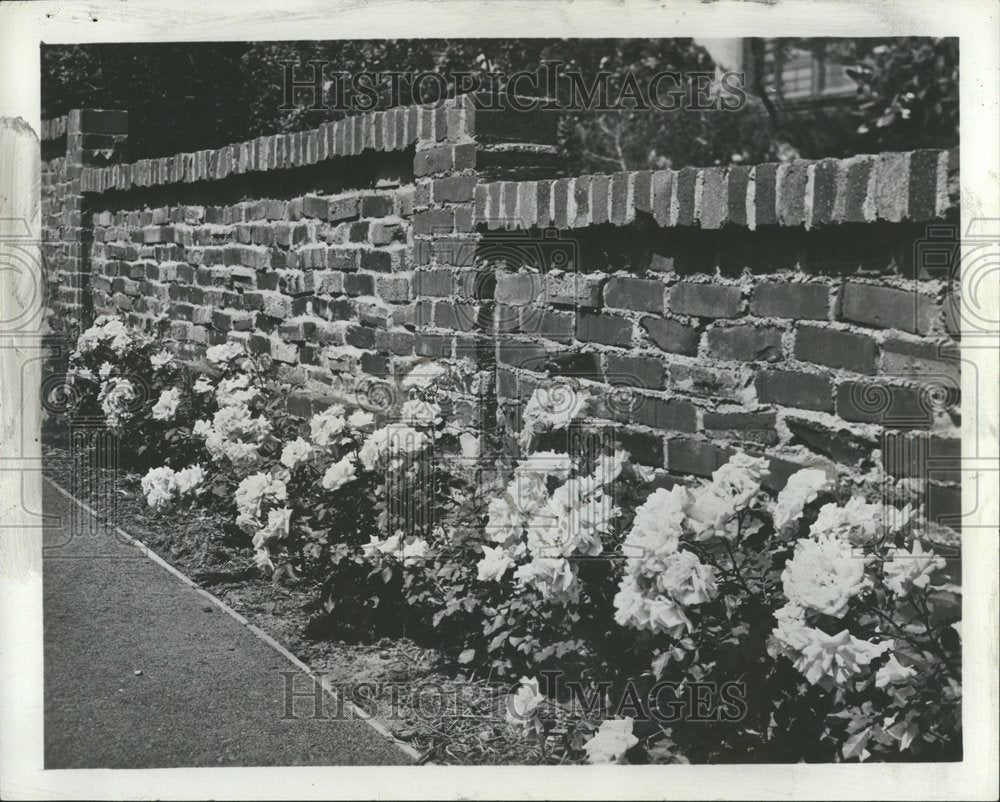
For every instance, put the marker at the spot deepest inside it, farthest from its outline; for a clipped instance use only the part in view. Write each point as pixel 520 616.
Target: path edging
pixel 257 632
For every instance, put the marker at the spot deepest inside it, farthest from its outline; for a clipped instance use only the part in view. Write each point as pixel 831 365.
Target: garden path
pixel 143 671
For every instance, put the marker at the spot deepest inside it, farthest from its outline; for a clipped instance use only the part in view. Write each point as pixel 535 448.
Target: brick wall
pixel 779 308
pixel 785 309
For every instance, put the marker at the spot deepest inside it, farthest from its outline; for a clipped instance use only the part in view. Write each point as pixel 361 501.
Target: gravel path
pixel 141 671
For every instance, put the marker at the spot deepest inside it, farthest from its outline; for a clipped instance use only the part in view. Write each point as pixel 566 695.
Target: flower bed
pixel 651 620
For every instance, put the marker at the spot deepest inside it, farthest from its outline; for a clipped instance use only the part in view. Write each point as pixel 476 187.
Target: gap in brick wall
pixel 850 249
pixel 367 171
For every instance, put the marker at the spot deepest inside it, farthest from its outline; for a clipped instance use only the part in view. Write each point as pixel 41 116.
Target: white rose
pixel 224 353
pixel 905 570
pixel 803 487
pixel 295 452
pixel 686 580
pixel 522 706
pixel 830 661
pixel 159 487
pixel 326 425
pixel 613 739
pixel 340 473
pixel 416 412
pixel 554 407
pixel 415 551
pixel 635 609
pixel 739 479
pixel 359 419
pixel 893 673
pixel 470 445
pixel 824 575
pixel 553 577
pixel 278 524
pixel 166 407
pixel 495 563
pixel 161 360
pixel 189 479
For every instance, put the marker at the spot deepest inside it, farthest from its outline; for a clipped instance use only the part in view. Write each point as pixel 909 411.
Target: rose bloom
pixel 656 527
pixel 189 479
pixel 522 706
pixel 893 673
pixel 116 394
pixel 543 464
pixel 553 577
pixel 166 407
pixel 830 661
pixel 634 608
pixel 202 385
pixel 554 407
pixel 469 444
pixel 859 522
pixel 740 478
pixel 161 360
pixel 158 486
pixel 279 522
pixel 526 492
pixel 686 580
pixel 295 452
pixel 712 514
pixel 340 473
pixel 803 487
pixel 824 575
pixel 235 391
pixel 359 419
pixel 326 425
pixel 416 412
pixel 503 525
pixel 415 551
pixel 251 492
pixel 905 570
pixel 613 739
pixel 224 353
pixel 495 563
pixel 424 375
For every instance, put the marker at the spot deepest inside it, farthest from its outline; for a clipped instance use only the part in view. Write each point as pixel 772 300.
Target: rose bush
pixel 834 616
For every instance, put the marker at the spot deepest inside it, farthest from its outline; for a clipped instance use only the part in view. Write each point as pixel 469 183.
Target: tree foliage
pixel 188 96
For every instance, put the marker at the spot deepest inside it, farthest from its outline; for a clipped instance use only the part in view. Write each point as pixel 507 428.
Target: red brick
pixel 705 300
pixel 633 371
pixel 793 177
pixel 714 198
pixel 595 327
pixel 798 301
pixel 889 405
pixel 634 293
pixel 755 427
pixel 836 349
pixel 644 449
pixel 659 413
pixel 795 389
pixel 887 307
pixel 686 455
pixel 837 442
pixel 909 359
pixel 672 336
pixel 745 343
pixel 519 289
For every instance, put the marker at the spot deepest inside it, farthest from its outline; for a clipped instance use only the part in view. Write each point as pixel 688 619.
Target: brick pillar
pixel 460 145
pixel 94 137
